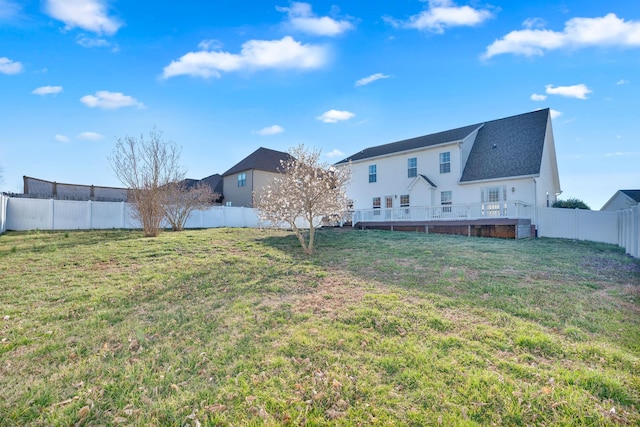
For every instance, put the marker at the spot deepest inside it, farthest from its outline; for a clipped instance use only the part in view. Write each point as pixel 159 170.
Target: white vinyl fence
pixel 3 213
pixel 620 228
pixel 49 214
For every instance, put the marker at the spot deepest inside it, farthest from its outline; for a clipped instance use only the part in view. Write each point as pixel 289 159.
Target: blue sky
pixel 222 78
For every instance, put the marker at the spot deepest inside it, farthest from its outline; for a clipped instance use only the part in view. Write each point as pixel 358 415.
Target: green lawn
pixel 238 327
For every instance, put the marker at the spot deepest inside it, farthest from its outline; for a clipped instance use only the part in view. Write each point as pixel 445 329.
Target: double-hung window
pixel 445 162
pixel 242 179
pixel 404 200
pixel 412 167
pixel 373 173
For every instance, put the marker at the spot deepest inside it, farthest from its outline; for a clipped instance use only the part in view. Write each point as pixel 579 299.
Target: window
pixel 404 200
pixel 373 175
pixel 445 197
pixel 242 179
pixel 376 205
pixel 445 162
pixel 494 201
pixel 494 194
pixel 412 167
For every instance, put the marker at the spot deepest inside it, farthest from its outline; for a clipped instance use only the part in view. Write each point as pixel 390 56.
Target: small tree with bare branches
pixel 147 167
pixel 305 192
pixel 181 200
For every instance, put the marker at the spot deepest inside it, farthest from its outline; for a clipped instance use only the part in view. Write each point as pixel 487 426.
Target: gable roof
pixel 214 181
pixel 634 194
pixel 262 159
pixel 506 147
pixel 410 144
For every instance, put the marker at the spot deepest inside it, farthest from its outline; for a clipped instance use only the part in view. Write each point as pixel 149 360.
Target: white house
pixel 622 199
pixel 498 169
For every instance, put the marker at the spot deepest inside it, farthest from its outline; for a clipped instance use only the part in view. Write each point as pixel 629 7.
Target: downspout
pixel 253 202
pixel 535 205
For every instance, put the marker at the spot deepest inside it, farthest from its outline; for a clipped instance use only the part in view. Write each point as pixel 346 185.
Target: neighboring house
pixel 42 189
pixel 250 175
pixel 497 169
pixel 622 199
pixel 214 182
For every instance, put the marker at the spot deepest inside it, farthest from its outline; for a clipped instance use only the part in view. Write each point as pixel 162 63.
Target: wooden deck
pixel 505 228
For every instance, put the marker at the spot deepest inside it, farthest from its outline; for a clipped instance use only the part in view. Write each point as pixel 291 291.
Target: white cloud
pixel 270 130
pixel 608 30
pixel 47 90
pixel 554 113
pixel 443 14
pixel 335 116
pixel 622 82
pixel 301 18
pixel 534 23
pixel 210 44
pixel 538 97
pixel 575 91
pixel 372 78
pixel 9 10
pixel 90 15
pixel 61 138
pixel 285 53
pixel 89 136
pixel 85 41
pixel 335 153
pixel 7 66
pixel 110 100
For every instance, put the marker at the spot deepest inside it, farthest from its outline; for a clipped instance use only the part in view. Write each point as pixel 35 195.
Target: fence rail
pixel 39 214
pixel 514 210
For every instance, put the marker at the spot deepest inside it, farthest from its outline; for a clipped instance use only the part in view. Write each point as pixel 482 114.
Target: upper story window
pixel 404 200
pixel 445 162
pixel 242 179
pixel 412 167
pixel 373 173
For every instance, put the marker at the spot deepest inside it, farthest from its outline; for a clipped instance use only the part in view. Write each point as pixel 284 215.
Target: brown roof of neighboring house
pixel 262 159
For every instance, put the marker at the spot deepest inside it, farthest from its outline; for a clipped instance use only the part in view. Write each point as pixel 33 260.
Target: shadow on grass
pixel 39 241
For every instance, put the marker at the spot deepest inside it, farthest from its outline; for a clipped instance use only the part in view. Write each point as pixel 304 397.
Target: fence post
pixel 52 213
pixel 636 235
pixel 90 214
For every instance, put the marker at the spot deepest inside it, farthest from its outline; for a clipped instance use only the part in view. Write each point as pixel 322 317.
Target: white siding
pixel 392 178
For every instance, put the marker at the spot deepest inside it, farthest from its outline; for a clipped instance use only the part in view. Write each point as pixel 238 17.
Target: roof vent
pixel 495 145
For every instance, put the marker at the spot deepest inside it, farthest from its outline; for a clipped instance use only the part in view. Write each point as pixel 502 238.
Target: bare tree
pixel 305 192
pixel 147 167
pixel 181 200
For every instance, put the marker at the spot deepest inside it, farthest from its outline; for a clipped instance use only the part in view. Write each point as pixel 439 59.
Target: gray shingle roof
pixel 214 181
pixel 506 147
pixel 413 143
pixel 634 194
pixel 262 159
pixel 428 180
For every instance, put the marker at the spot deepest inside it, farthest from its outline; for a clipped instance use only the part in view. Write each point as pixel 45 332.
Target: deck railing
pixel 513 209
